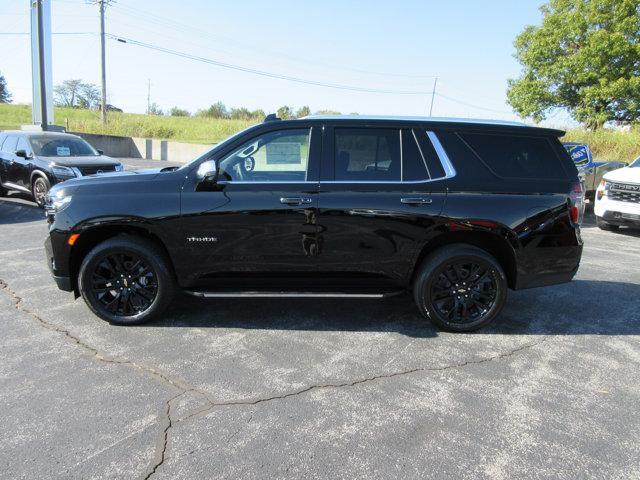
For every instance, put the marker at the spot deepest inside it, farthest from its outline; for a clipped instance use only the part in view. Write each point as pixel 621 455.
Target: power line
pixel 159 20
pixel 263 72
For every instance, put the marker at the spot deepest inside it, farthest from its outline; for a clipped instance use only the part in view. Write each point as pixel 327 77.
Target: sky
pixel 384 46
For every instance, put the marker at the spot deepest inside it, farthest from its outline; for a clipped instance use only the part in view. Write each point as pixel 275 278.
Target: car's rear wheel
pixel 39 188
pixel 602 225
pixel 126 280
pixel 460 288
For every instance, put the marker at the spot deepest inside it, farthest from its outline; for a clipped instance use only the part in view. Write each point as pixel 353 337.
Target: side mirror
pixel 21 154
pixel 208 171
pixel 100 152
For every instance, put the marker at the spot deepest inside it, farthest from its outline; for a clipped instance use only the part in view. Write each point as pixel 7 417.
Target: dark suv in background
pixel 32 162
pixel 454 211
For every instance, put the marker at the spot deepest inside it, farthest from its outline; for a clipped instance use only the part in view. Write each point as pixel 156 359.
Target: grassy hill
pixel 186 129
pixel 606 144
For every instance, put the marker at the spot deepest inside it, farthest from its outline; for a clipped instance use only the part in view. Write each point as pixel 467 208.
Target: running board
pixel 262 294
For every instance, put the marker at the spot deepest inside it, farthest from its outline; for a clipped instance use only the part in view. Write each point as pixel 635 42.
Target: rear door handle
pixel 416 200
pixel 295 200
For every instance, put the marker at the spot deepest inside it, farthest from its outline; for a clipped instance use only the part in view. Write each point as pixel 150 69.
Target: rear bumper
pixel 545 279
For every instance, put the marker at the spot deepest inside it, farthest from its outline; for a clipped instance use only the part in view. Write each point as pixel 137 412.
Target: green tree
pixel 304 111
pixel 88 96
pixel 258 114
pixel 5 96
pixel 179 112
pixel 66 93
pixel 154 109
pixel 584 57
pixel 217 110
pixel 240 113
pixel 285 112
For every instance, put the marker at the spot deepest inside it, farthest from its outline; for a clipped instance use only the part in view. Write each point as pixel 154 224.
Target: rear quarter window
pixel 516 156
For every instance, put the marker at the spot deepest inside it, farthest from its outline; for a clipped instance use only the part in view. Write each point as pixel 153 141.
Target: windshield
pixel 61 146
pixel 636 163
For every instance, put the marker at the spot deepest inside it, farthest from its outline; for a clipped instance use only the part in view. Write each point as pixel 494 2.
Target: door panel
pixel 23 166
pixel 373 223
pixel 254 229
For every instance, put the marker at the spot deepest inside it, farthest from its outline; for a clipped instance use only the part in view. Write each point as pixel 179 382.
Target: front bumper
pixel 63 281
pixel 616 212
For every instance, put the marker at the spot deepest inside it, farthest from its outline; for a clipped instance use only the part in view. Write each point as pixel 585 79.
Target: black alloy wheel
pixel 39 190
pixel 126 280
pixel 460 288
pixel 124 284
pixel 463 291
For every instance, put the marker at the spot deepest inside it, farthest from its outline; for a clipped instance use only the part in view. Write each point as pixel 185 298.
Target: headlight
pixel 57 201
pixel 602 189
pixel 119 168
pixel 63 173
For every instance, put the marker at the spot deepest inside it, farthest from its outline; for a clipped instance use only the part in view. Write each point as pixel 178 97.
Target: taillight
pixel 576 197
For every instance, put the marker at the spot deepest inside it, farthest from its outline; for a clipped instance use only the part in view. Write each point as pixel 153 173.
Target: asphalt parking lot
pixel 319 388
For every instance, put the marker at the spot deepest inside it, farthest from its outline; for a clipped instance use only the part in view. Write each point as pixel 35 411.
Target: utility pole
pixel 103 106
pixel 41 54
pixel 433 94
pixel 148 95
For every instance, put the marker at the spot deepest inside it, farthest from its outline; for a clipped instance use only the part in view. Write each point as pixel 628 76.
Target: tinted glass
pixel 512 156
pixel 10 143
pixel 61 146
pixel 367 154
pixel 280 156
pixel 23 145
pixel 413 165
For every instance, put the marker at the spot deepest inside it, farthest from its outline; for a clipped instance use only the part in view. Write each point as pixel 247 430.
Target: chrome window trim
pixel 401 157
pixel 440 151
pixel 424 160
pixel 448 167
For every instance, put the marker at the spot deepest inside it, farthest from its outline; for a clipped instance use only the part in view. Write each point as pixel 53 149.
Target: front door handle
pixel 295 200
pixel 416 200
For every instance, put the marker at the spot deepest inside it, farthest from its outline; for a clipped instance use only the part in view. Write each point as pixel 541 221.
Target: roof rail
pixel 272 117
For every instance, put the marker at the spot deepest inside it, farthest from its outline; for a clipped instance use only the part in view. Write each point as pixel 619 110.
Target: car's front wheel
pixel 126 280
pixel 39 189
pixel 460 288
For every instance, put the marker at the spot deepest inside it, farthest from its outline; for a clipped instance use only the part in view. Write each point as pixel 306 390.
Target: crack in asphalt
pixel 167 422
pixel 203 411
pixel 161 448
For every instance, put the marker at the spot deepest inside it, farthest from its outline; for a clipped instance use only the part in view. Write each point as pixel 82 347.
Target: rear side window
pixel 513 156
pixel 367 154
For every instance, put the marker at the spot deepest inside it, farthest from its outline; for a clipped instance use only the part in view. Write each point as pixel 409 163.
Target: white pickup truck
pixel 618 198
pixel 590 170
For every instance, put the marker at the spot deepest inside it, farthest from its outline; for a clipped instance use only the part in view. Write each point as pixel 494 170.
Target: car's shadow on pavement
pixel 19 208
pixel 582 307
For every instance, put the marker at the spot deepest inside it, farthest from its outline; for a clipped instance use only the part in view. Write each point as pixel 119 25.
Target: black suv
pixel 31 162
pixel 454 211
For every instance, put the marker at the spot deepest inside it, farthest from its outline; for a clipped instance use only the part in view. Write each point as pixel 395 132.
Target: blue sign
pixel 580 153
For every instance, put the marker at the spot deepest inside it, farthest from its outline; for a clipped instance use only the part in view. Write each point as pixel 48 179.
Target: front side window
pixel 279 156
pixel 61 146
pixel 23 145
pixel 367 154
pixel 10 143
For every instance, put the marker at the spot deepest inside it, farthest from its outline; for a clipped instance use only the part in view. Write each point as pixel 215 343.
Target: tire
pixel 126 280
pixel 39 188
pixel 602 225
pixel 482 288
pixel 3 191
